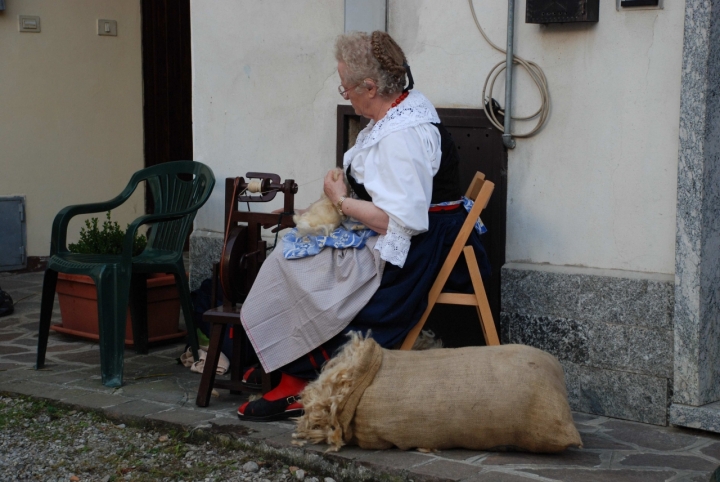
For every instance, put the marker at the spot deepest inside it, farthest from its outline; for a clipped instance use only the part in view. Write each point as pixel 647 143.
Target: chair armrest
pixel 58 238
pixel 148 219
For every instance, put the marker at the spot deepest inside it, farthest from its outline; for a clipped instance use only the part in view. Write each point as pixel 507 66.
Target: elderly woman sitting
pixel 403 171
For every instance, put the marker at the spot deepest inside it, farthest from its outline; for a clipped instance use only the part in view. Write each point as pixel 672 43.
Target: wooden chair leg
pixel 486 319
pixel 236 364
pixel 46 307
pixel 217 334
pixel 482 325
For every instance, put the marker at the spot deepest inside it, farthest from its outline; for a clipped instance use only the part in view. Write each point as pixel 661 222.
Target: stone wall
pixel 205 249
pixel 611 330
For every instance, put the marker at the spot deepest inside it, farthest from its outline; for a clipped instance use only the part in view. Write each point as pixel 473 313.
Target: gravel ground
pixel 39 441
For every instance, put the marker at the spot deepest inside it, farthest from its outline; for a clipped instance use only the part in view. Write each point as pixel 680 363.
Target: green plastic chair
pixel 121 278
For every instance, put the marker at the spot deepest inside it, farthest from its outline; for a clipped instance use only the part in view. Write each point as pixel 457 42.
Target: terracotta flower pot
pixel 78 306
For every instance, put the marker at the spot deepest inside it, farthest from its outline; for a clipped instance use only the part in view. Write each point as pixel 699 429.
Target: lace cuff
pixel 394 245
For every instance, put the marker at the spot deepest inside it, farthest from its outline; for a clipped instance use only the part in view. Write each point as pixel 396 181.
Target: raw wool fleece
pixel 479 398
pixel 321 218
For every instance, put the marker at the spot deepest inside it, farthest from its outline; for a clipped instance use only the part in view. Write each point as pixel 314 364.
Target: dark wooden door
pixel 481 149
pixel 167 82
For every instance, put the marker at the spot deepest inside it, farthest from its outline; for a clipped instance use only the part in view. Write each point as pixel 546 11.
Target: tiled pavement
pixel 158 389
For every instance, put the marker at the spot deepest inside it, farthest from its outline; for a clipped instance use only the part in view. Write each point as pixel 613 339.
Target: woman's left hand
pixel 334 185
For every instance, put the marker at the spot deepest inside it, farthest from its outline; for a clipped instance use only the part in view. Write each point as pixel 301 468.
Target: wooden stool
pixel 219 318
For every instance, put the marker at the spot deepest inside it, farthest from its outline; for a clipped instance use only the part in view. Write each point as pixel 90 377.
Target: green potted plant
pixel 78 296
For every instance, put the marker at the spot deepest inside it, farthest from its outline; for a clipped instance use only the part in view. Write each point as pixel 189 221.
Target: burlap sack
pixel 480 398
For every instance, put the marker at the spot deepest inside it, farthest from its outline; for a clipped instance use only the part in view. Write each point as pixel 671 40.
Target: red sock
pixel 289 386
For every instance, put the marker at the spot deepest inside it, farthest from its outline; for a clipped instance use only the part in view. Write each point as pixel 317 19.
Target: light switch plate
pixel 29 23
pixel 107 27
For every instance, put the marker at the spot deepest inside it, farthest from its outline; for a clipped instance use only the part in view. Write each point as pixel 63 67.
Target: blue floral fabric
pixel 295 247
pixel 299 247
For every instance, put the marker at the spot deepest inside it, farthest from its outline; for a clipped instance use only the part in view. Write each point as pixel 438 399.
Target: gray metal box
pixel 13 236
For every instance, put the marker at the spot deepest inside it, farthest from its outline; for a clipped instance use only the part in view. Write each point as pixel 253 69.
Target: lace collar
pixel 416 109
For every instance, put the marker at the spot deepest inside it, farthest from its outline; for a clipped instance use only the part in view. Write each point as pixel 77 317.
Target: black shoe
pixel 263 410
pixel 6 304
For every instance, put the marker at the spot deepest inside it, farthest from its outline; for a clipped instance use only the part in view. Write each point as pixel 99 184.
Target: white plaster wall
pixel 264 93
pixel 597 186
pixel 71 128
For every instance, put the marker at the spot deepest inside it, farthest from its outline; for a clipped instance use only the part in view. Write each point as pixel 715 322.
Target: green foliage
pixel 108 240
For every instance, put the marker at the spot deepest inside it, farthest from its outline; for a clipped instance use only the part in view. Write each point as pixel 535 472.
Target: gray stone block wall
pixel 618 393
pixel 611 330
pixel 205 249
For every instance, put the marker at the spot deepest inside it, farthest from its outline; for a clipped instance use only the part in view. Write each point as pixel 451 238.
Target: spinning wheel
pixel 244 249
pixel 243 253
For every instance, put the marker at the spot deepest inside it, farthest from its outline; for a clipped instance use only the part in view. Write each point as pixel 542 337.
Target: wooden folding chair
pixel 479 191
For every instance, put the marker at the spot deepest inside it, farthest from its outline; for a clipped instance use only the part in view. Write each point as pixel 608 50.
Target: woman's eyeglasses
pixel 344 92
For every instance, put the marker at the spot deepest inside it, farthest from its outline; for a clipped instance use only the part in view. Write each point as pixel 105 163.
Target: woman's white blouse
pixel 395 159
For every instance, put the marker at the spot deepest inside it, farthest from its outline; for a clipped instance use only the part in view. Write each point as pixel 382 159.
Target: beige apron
pixel 296 305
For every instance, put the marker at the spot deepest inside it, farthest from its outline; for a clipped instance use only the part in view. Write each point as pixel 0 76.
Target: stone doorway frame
pixel 697 246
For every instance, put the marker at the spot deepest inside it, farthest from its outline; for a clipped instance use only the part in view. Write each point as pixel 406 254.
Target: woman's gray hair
pixel 376 57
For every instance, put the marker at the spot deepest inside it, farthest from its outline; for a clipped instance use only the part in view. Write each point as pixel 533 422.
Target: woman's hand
pixel 364 211
pixel 334 185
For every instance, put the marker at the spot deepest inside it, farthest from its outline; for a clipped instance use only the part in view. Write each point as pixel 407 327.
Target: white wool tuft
pixel 320 219
pixel 322 398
